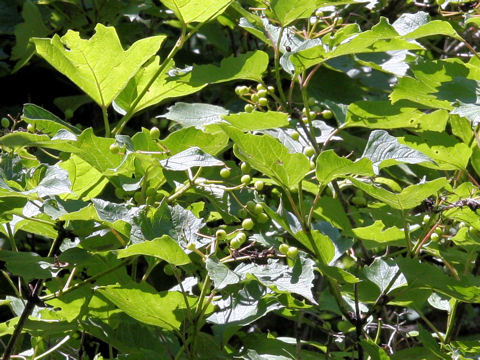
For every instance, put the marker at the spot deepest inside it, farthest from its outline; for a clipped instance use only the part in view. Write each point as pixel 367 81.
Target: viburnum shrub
pixel 288 179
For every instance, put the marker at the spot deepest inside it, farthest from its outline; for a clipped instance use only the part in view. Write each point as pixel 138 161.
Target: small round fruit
pixel 438 230
pixel 262 218
pixel 434 237
pixel 426 218
pixel 261 87
pixel 168 270
pixel 155 133
pixel 258 209
pixel 259 185
pixel 292 252
pixel 245 179
pixel 319 13
pixel 295 135
pixel 221 234
pixel 235 244
pixel 263 101
pixel 68 113
pixel 327 114
pixel 359 193
pixel 115 148
pixel 248 224
pixel 359 201
pixel 241 236
pixel 262 93
pixel 312 165
pixel 283 248
pixel 251 205
pixel 242 213
pixel 31 128
pixel 311 101
pixel 248 108
pixel 225 173
pixel 270 89
pixel 254 98
pixel 5 122
pixel 245 167
pixel 309 151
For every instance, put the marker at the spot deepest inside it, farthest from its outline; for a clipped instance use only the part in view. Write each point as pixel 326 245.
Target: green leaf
pixel 330 166
pixel 248 66
pixel 376 235
pixel 430 343
pixel 439 147
pixel 318 243
pixel 382 272
pixel 29 265
pixel 188 11
pixel 283 278
pixel 99 66
pixel 220 274
pixel 197 115
pixel 382 37
pixel 408 198
pixel 87 182
pixel 374 351
pixel 186 227
pixel 257 120
pixel 165 309
pixel 287 11
pixel 55 182
pixel 384 115
pixel 45 121
pixel 211 142
pixel 164 248
pixel 190 158
pixel 267 155
pixel 466 289
pixel 382 147
pixel 164 87
pixel 33 25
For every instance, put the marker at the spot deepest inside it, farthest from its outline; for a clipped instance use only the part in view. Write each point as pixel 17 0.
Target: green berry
pixel 221 234
pixel 295 135
pixel 168 270
pixel 292 252
pixel 263 101
pixel 327 114
pixel 5 122
pixel 259 185
pixel 245 179
pixel 309 151
pixel 312 165
pixel 250 205
pixel 283 248
pixel 248 108
pixel 245 167
pixel 31 128
pixel 225 173
pixel 248 224
pixel 241 236
pixel 115 148
pixel 262 218
pixel 270 89
pixel 235 244
pixel 311 101
pixel 319 13
pixel 138 197
pixel 68 113
pixel 426 218
pixel 258 209
pixel 255 98
pixel 155 133
pixel 261 87
pixel 438 230
pixel 262 93
pixel 434 237
pixel 359 201
pixel 242 213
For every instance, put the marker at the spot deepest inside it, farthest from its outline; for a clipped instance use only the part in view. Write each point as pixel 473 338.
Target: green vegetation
pixel 240 179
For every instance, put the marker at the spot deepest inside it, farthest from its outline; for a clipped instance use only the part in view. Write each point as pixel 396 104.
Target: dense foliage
pixel 240 179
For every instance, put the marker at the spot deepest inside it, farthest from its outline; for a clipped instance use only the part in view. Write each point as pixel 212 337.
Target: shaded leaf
pixel 382 147
pixel 45 121
pixel 187 159
pixel 220 274
pixel 29 265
